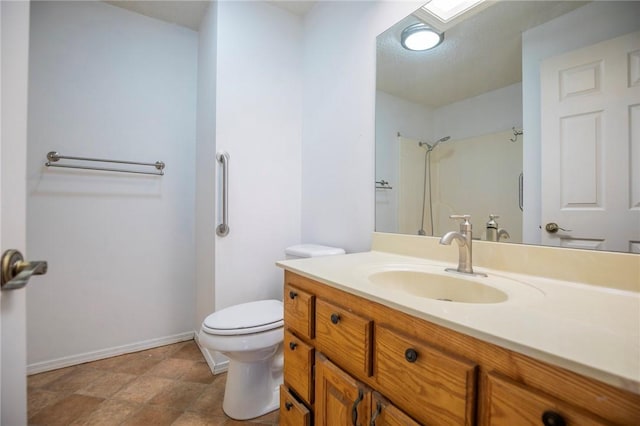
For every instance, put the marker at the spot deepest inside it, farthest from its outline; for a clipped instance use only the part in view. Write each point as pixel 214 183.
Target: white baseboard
pixel 217 362
pixel 67 361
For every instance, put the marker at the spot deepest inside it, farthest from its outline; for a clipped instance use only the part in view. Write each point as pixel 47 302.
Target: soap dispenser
pixel 492 228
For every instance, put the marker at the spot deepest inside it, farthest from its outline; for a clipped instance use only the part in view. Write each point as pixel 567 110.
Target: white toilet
pixel 251 335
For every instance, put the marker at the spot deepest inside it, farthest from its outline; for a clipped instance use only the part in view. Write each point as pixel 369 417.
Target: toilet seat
pixel 246 318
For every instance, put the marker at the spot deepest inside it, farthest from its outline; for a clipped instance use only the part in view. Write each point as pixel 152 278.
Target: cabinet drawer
pixel 298 366
pixel 344 337
pixel 292 412
pixel 298 311
pixel 511 403
pixel 433 387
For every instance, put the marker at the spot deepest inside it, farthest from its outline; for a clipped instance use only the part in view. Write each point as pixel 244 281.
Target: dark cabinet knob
pixel 288 405
pixel 335 318
pixel 293 345
pixel 411 355
pixel 551 418
pixel 292 294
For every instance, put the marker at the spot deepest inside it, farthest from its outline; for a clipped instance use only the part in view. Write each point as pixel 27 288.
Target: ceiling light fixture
pixel 420 37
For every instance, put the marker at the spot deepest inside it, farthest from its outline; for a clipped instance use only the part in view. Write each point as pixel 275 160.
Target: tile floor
pixel 169 385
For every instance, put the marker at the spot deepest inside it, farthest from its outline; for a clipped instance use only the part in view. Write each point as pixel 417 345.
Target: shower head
pixel 436 143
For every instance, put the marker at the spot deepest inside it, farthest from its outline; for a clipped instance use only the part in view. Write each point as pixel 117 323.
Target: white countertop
pixel 591 330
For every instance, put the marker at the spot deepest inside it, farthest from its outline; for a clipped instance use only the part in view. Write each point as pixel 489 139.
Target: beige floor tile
pixel 178 395
pixel 166 351
pixel 75 380
pixel 195 419
pixel 189 351
pixel 210 401
pixel 143 389
pixel 37 399
pixel 108 413
pixel 199 373
pixel 107 385
pixel 171 368
pixel 66 410
pixel 151 415
pixel 43 379
pixel 271 418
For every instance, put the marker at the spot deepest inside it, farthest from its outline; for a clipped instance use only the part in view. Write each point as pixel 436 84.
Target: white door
pixel 591 146
pixel 14 22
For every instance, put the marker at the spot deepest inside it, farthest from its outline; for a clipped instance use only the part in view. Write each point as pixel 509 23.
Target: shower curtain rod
pixel 54 157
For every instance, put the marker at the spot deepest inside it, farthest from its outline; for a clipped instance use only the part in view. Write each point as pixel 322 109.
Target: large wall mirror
pixel 526 110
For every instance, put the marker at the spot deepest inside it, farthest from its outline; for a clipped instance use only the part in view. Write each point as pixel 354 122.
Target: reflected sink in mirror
pixel 434 283
pixel 445 288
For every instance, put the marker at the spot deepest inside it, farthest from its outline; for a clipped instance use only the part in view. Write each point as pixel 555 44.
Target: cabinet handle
pixel 376 414
pixel 551 418
pixel 335 318
pixel 354 409
pixel 288 405
pixel 411 355
pixel 293 345
pixel 292 294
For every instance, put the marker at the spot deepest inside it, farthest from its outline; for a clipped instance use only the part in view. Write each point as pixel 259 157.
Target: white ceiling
pixel 188 13
pixel 478 55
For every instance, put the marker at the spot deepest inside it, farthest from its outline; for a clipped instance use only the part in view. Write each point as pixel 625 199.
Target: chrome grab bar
pixel 222 230
pixel 53 157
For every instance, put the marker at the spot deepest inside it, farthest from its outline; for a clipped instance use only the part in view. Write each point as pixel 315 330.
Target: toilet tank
pixel 311 250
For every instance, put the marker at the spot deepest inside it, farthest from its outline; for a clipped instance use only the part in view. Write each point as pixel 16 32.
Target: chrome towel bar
pixel 222 230
pixel 53 157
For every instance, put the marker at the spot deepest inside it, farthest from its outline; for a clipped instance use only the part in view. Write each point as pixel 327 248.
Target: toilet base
pixel 247 395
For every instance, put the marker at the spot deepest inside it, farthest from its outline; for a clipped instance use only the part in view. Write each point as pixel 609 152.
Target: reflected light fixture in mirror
pixel 420 37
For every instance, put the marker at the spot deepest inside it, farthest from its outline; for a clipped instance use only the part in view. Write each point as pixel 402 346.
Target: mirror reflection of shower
pixel 427 172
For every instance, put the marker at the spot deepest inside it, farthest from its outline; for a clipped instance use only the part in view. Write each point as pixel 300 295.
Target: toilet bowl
pixel 251 336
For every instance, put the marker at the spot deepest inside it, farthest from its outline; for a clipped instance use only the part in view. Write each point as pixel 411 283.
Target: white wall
pixel 205 167
pixel 259 123
pixel 339 119
pixel 484 114
pixel 108 83
pixel 394 115
pixel 590 24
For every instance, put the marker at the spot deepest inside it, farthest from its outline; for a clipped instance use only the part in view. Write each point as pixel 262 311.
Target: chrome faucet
pixel 463 238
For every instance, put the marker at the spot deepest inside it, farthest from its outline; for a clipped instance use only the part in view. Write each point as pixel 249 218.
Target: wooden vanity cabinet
pixel 383 413
pixel 344 336
pixel 396 369
pixel 340 399
pixel 292 411
pixel 298 366
pixel 510 403
pixel 432 386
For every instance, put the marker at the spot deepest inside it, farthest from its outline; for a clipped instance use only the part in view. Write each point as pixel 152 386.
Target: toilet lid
pixel 246 318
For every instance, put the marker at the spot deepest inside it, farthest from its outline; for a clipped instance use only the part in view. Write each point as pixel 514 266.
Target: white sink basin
pixel 433 282
pixel 447 288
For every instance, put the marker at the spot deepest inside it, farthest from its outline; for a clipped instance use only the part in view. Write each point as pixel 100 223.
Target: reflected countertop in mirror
pixel 528 111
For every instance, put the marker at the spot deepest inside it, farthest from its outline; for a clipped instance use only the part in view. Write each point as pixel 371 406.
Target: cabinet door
pixel 510 403
pixel 385 414
pixel 340 399
pixel 292 412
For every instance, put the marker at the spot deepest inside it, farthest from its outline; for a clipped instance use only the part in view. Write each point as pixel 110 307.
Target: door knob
pixel 15 272
pixel 552 228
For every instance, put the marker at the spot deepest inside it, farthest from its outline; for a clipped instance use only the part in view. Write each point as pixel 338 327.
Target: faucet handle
pixel 465 225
